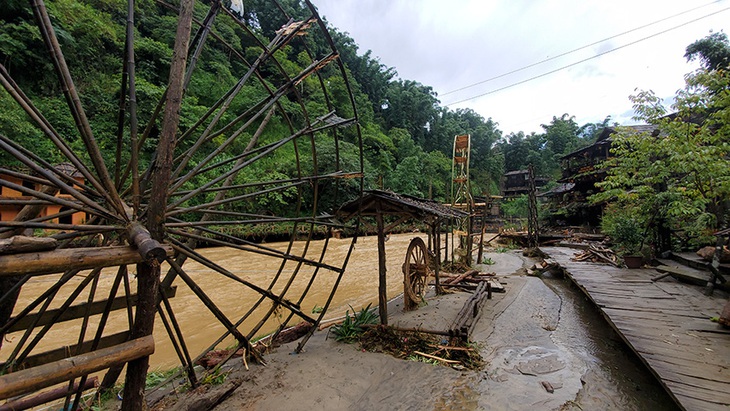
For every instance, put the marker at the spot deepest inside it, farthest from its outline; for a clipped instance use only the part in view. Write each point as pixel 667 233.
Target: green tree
pixel 680 176
pixel 712 51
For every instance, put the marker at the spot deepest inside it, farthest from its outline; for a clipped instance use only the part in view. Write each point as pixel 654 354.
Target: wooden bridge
pixel 666 323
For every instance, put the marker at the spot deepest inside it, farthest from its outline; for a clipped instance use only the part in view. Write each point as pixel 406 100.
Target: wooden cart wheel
pixel 271 145
pixel 415 273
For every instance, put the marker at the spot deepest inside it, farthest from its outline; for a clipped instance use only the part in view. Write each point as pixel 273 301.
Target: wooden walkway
pixel 666 323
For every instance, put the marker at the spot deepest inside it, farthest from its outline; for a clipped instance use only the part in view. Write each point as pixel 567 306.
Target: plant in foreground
pixel 351 328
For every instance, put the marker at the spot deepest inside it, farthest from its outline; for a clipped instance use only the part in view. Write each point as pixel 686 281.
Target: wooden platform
pixel 666 323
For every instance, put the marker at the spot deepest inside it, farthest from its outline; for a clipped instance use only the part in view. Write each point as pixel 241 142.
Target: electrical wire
pixel 577 62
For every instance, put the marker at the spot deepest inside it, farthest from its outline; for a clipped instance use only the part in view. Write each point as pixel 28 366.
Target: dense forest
pixel 407 136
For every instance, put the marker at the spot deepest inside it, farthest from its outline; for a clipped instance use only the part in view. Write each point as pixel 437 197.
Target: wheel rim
pixel 415 273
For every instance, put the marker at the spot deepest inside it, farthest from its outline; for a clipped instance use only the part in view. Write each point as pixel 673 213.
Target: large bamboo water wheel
pixel 116 229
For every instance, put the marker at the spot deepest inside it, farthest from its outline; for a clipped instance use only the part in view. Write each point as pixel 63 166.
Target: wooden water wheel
pixel 415 273
pixel 126 211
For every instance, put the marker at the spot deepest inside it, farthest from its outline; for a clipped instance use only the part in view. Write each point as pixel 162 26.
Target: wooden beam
pixel 34 379
pixel 80 311
pixel 57 261
pixel 65 352
pixel 48 396
pixel 382 270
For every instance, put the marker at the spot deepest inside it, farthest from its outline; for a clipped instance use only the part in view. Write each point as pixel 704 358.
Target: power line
pixel 578 49
pixel 584 60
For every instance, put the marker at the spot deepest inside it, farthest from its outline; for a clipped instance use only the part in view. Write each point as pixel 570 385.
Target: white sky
pixel 453 44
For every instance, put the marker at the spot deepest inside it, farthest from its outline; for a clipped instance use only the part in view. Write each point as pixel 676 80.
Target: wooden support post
pixel 382 284
pixel 148 273
pixel 437 250
pixel 34 379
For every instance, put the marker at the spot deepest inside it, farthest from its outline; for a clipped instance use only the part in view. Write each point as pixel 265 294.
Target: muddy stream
pixel 548 332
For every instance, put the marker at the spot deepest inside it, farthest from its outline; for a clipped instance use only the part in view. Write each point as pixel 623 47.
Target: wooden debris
pixel 471 277
pixel 433 357
pixel 595 253
pixel 548 387
pixel 462 325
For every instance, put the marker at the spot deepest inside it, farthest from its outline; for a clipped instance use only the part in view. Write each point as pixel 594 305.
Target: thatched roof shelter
pixel 376 203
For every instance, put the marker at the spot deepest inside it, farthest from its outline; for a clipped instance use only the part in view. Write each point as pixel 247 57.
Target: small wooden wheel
pixel 415 273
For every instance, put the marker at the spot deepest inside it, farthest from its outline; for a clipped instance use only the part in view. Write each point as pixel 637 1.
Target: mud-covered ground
pixel 538 336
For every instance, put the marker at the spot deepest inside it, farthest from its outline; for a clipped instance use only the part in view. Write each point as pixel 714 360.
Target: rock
pixel 707 253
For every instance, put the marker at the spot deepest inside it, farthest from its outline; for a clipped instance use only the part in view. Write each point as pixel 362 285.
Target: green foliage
pixel 516 207
pixel 625 227
pixel 713 51
pixel 351 328
pixel 157 377
pixel 504 249
pixel 679 176
pixel 488 261
pixel 215 377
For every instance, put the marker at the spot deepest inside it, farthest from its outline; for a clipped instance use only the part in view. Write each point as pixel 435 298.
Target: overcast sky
pixel 455 44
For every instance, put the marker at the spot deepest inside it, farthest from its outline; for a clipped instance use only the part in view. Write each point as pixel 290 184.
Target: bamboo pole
pixel 148 273
pixel 49 262
pixel 48 396
pixel 43 376
pixel 74 103
pixel 382 282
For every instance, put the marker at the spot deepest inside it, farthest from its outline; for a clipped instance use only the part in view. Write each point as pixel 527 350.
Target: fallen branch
pixel 433 357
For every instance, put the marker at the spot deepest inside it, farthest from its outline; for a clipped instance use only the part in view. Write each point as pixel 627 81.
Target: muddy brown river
pixel 358 288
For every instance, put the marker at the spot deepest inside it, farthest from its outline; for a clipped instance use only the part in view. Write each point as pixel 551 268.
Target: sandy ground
pixel 515 334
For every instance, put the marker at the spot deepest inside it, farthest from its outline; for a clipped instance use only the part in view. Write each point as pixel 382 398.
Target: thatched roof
pixel 397 204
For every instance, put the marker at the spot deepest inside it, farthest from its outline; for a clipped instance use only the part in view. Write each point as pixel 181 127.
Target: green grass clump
pixel 350 330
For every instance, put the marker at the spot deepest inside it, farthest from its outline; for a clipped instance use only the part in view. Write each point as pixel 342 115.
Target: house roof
pixel 397 204
pixel 558 189
pixel 605 137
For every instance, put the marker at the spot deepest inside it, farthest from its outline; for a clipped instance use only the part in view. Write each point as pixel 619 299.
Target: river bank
pixel 538 334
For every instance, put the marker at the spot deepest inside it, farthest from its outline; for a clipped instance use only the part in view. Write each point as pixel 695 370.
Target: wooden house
pixel 580 172
pixel 516 183
pixel 11 200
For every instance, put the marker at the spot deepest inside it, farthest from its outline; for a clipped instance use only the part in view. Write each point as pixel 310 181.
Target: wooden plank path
pixel 666 323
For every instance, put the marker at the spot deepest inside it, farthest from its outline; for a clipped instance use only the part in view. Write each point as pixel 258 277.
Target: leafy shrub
pixel 350 330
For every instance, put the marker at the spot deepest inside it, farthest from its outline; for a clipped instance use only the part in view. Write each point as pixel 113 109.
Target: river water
pixel 358 288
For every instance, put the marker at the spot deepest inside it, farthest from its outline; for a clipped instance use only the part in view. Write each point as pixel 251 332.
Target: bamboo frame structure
pixel 147 212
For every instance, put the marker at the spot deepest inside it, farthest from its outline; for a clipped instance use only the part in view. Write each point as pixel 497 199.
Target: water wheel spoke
pixel 265 150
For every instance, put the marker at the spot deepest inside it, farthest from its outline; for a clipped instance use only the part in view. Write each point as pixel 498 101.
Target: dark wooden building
pixel 568 201
pixel 516 183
